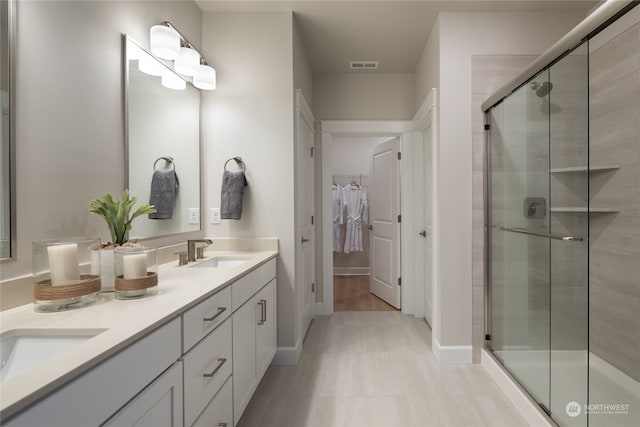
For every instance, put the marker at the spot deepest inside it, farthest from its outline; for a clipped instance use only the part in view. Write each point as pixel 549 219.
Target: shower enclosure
pixel 563 229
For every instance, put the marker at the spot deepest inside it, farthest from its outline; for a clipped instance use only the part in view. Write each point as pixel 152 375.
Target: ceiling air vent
pixel 363 65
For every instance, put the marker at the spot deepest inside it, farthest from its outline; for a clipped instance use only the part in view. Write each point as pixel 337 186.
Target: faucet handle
pixel 182 258
pixel 200 252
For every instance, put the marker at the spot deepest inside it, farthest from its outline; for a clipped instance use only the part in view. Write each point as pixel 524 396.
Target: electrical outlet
pixel 215 215
pixel 194 216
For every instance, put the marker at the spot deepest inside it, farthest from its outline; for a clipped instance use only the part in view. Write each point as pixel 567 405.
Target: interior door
pixel 427 232
pixel 305 136
pixel 384 219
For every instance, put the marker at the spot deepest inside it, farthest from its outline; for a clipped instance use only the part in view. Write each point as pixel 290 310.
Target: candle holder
pixel 64 274
pixel 136 272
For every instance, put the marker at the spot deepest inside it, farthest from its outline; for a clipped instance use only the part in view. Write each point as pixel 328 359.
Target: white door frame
pixel 402 129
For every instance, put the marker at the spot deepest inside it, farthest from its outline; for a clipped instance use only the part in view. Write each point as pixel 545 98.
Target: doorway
pixel 347 159
pixel 365 230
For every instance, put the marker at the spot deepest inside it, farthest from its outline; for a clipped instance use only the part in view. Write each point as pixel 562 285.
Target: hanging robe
pixel 355 203
pixel 338 217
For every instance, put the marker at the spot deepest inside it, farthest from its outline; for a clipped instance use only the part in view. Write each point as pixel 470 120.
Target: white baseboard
pixel 288 355
pixel 523 403
pixel 453 354
pixel 351 271
pixel 318 309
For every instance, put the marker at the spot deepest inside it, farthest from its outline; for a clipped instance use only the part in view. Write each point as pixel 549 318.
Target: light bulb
pixel 188 62
pixel 165 42
pixel 205 78
pixel 173 81
pixel 150 65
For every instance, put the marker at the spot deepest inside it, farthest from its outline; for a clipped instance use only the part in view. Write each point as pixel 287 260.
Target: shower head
pixel 542 89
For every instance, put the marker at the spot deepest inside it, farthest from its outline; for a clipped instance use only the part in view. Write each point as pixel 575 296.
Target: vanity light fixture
pixel 187 60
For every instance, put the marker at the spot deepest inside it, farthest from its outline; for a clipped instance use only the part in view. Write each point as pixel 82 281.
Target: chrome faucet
pixel 191 248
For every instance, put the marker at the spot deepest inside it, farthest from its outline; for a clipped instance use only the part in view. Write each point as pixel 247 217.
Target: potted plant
pixel 118 216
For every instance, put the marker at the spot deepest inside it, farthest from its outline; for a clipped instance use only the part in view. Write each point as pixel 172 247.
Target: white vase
pixel 106 268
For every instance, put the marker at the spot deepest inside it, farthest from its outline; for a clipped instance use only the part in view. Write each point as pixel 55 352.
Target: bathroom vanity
pixel 192 355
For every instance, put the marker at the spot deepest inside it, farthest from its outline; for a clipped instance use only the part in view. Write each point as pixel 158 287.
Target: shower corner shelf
pixel 584 210
pixel 594 168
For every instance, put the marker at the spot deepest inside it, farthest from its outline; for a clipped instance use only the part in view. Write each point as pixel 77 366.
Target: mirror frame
pixel 11 25
pixel 188 233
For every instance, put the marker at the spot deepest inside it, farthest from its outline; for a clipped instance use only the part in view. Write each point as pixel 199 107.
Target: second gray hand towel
pixel 233 184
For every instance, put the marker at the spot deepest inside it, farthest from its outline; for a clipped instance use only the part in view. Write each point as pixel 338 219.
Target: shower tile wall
pixel 614 273
pixel 489 73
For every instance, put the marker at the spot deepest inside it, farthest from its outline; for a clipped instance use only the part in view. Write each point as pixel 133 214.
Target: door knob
pixel 423 233
pixel 303 240
pixel 370 227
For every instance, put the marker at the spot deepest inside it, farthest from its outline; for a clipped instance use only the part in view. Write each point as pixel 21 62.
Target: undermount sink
pixel 222 262
pixel 23 349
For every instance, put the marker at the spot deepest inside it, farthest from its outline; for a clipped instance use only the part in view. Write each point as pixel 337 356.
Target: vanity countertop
pixel 123 321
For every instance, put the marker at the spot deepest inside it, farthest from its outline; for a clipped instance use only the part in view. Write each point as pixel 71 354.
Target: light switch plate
pixel 215 215
pixel 194 216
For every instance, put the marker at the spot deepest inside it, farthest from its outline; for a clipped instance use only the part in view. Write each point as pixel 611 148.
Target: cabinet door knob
pixel 423 233
pixel 216 369
pixel 215 316
pixel 303 240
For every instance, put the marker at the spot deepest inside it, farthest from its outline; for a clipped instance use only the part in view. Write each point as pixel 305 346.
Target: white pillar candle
pixel 63 263
pixel 134 266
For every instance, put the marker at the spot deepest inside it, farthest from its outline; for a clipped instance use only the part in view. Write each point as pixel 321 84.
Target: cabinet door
pixel 244 355
pixel 158 405
pixel 266 329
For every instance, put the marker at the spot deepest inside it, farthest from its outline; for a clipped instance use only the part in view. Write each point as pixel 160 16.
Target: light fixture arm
pixel 184 42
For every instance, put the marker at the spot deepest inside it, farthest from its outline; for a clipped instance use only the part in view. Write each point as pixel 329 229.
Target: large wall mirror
pixel 7 154
pixel 163 144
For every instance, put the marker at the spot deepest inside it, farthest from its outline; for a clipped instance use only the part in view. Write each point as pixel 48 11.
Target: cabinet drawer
pixel 219 412
pixel 204 317
pixel 206 367
pixel 246 286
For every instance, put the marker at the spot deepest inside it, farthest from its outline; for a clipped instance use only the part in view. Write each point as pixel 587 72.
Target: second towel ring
pixel 238 161
pixel 168 160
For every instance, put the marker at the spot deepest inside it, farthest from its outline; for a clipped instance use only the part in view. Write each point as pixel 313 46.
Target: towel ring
pixel 238 161
pixel 168 160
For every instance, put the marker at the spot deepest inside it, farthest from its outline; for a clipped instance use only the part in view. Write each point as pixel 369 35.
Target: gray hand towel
pixel 233 184
pixel 164 189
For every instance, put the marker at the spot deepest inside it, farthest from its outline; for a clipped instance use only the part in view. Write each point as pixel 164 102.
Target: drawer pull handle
pixel 222 425
pixel 215 316
pixel 217 368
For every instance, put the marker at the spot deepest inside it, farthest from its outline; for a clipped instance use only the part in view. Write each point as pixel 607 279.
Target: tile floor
pixel 375 369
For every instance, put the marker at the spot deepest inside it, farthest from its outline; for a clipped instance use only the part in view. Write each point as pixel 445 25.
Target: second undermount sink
pixel 222 262
pixel 23 349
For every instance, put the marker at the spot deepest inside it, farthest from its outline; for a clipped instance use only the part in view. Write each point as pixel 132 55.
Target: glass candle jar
pixel 136 272
pixel 65 275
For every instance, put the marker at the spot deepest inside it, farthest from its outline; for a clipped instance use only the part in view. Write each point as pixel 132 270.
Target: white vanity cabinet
pixel 94 397
pixel 254 344
pixel 198 369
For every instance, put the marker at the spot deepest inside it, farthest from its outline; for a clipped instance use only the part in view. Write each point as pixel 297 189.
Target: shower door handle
pixel 547 236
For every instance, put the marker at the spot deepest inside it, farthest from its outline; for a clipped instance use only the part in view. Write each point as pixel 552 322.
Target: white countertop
pixel 124 321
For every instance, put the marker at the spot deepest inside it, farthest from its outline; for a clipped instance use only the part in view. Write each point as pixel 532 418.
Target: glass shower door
pixel 519 266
